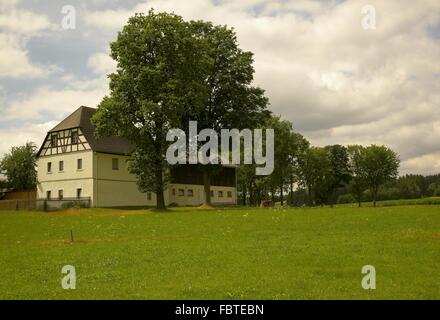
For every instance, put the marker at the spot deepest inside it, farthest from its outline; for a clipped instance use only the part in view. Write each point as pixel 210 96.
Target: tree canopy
pixel 20 168
pixel 160 75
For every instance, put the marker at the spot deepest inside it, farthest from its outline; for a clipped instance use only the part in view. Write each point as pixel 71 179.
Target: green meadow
pixel 228 253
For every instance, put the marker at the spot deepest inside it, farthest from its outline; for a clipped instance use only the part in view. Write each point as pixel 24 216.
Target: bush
pixel 346 198
pixel 73 204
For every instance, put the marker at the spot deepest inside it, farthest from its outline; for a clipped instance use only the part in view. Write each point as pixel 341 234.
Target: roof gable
pixel 80 118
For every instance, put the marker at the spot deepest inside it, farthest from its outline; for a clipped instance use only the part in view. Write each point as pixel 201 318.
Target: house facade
pixel 74 164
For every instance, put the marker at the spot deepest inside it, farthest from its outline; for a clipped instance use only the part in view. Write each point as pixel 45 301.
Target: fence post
pixel 16 205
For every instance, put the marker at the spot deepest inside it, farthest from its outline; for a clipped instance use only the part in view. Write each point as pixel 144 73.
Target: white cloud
pixel 31 132
pixel 23 22
pixel 54 102
pixel 17 26
pixel 14 62
pixel 336 82
pixel 101 63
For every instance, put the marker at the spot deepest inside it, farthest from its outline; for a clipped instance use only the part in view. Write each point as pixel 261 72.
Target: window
pixel 174 192
pixel 61 166
pixel 115 164
pixel 79 164
pixel 229 194
pixel 181 192
pixel 220 194
pixel 48 194
pixel 49 167
pixel 60 194
pixel 78 193
pixel 190 193
pixel 74 137
pixel 148 195
pixel 54 140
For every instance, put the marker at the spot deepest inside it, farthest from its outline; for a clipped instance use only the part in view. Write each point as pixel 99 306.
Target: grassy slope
pixel 223 254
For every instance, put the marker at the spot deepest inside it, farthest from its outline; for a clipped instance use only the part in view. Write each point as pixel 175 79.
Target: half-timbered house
pixel 74 164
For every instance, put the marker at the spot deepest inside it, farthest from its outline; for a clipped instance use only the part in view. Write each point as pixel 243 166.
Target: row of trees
pixel 171 71
pixel 409 186
pixel 319 173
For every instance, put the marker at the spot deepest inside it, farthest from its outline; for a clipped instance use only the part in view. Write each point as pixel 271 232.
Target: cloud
pixel 17 26
pixel 14 62
pixel 47 102
pixel 19 135
pixel 22 21
pixel 336 82
pixel 101 63
pixel 426 164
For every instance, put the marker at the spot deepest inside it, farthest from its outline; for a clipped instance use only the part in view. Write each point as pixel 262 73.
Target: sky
pixel 340 74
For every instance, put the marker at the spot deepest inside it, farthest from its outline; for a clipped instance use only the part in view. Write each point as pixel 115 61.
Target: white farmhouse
pixel 74 164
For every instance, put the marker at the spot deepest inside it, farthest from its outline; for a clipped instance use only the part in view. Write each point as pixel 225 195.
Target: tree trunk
pixel 251 194
pixel 160 200
pixel 374 196
pixel 291 192
pixel 282 195
pixel 244 194
pixel 272 195
pixel 309 193
pixel 332 199
pixel 207 186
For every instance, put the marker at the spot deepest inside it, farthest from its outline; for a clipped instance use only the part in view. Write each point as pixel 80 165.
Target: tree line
pixel 317 175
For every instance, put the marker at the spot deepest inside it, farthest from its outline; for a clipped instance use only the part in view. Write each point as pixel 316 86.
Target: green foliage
pixel 324 170
pixel 159 76
pixel 169 72
pixel 346 198
pixel 378 165
pixel 289 147
pixel 19 166
pixel 358 183
pixel 339 170
pixel 230 101
pixel 434 189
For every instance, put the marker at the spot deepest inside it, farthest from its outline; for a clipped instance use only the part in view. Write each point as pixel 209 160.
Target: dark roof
pixel 80 118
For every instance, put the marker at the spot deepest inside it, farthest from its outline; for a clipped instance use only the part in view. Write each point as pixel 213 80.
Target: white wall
pixel 110 188
pixel 68 180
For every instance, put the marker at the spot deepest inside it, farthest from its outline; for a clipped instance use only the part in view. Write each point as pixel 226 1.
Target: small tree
pixel 379 165
pixel 358 183
pixel 19 167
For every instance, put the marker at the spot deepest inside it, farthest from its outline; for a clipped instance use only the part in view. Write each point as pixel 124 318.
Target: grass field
pixel 241 253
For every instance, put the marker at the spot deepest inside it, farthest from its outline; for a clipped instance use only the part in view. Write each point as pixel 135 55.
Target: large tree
pixel 231 100
pixel 379 165
pixel 19 167
pixel 160 74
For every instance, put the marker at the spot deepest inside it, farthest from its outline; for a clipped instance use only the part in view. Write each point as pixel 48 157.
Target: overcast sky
pixel 335 80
